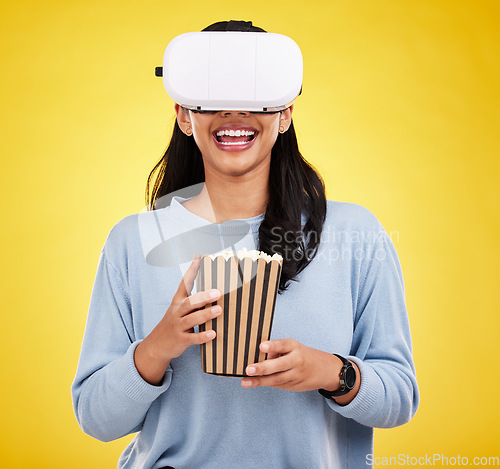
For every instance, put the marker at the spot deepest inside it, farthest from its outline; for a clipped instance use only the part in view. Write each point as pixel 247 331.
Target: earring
pixel 189 132
pixel 282 129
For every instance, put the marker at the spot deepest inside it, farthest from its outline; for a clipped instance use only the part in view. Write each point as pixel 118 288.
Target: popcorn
pixel 244 252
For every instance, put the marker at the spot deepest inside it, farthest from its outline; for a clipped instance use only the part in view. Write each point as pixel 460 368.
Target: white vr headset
pixel 232 71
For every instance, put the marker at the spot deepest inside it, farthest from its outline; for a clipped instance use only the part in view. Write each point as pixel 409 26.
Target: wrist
pixel 332 373
pixel 149 364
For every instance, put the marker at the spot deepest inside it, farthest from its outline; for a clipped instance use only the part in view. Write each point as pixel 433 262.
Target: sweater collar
pixel 239 226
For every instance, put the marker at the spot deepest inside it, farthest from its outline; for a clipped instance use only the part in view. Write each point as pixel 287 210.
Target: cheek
pixel 272 123
pixel 201 135
pixel 270 130
pixel 200 125
pixel 270 137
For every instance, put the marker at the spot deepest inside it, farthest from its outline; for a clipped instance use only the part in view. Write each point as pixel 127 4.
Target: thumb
pixel 187 282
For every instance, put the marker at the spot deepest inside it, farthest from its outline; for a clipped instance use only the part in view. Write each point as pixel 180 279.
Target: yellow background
pixel 399 113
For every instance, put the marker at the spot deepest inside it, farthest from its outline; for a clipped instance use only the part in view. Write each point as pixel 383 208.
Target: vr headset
pixel 232 71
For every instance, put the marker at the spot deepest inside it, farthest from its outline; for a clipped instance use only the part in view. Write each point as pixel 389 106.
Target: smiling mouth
pixel 235 137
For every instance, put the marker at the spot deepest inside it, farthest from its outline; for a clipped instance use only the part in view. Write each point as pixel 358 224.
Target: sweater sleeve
pixel 110 398
pixel 381 345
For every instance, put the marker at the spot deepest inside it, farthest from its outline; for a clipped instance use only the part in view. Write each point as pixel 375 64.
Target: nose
pixel 237 113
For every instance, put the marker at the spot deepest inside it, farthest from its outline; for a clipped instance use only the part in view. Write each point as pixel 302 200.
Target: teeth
pixel 235 133
pixel 233 143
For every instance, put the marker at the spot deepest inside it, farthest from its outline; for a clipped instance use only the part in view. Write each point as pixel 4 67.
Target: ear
pixel 286 117
pixel 183 119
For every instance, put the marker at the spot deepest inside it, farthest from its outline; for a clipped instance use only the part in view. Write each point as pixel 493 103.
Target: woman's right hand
pixel 174 333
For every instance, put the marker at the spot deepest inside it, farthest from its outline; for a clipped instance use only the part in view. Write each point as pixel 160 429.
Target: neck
pixel 222 200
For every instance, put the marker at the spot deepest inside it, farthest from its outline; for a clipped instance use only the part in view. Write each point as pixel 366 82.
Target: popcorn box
pixel 248 282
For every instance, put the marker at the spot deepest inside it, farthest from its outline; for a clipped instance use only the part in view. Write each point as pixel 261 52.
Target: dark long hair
pixel 294 188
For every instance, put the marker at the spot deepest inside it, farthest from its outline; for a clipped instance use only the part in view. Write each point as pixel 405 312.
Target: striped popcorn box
pixel 248 281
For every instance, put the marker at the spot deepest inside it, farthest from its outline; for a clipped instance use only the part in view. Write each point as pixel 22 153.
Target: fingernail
pixel 264 346
pixel 216 309
pixel 247 383
pixel 214 293
pixel 211 334
pixel 250 370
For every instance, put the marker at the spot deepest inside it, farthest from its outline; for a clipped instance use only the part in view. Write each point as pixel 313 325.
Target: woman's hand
pixel 295 367
pixel 175 332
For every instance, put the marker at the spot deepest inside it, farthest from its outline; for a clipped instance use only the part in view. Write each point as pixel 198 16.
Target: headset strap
pixel 239 26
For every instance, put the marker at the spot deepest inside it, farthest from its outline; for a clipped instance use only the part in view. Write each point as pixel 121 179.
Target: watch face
pixel 350 377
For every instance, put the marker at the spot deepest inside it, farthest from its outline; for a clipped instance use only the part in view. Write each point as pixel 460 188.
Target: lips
pixel 234 137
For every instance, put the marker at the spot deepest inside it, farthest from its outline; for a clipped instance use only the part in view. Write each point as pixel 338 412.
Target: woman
pixel 340 328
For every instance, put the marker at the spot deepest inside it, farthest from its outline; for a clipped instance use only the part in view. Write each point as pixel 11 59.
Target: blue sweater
pixel 349 300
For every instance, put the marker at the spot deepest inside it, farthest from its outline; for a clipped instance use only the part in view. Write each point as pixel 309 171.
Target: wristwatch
pixel 347 380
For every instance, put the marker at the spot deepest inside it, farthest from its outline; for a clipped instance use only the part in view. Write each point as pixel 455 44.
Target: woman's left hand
pixel 294 367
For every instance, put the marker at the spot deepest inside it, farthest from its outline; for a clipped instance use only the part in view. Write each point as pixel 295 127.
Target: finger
pixel 278 346
pixel 199 317
pixel 197 338
pixel 269 367
pixel 283 380
pixel 187 282
pixel 198 301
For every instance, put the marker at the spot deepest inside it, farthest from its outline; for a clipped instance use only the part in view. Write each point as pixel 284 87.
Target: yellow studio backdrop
pixel 399 113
